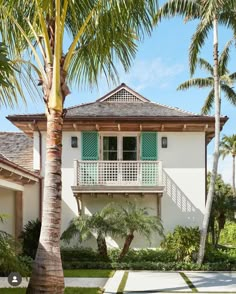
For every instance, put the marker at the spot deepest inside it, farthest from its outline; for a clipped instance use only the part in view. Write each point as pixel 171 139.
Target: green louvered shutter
pixel 89 146
pixel 149 152
pixel 89 171
pixel 149 146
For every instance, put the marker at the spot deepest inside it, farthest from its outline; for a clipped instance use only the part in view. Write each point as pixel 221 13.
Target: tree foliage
pixel 222 208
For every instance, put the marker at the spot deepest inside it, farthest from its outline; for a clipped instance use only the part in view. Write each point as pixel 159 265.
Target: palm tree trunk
pixel 210 194
pixel 233 180
pixel 128 240
pixel 47 276
pixel 102 246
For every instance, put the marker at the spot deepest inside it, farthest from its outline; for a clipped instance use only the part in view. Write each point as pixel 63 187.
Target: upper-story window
pixel 120 147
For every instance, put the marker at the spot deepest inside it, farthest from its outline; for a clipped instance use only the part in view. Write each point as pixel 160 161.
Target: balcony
pixel 120 176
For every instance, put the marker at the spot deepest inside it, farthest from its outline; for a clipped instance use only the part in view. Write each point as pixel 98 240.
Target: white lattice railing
pixel 118 173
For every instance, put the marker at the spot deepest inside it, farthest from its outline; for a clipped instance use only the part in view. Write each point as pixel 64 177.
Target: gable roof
pixel 17 148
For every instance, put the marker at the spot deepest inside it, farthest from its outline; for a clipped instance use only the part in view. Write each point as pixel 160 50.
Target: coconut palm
pixel 209 13
pixel 225 78
pixel 98 33
pixel 228 147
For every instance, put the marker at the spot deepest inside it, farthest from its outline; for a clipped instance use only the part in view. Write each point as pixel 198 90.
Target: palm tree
pixel 133 219
pixel 98 225
pixel 99 33
pixel 9 86
pixel 228 147
pixel 225 78
pixel 221 208
pixel 209 13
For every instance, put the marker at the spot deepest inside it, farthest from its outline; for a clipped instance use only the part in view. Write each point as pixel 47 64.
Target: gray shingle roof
pixel 107 109
pixel 18 148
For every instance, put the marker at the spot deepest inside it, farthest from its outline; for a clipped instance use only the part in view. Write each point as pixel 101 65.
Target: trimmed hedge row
pixel 161 266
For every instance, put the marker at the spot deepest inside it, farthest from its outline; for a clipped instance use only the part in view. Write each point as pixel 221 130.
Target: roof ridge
pixel 177 108
pixel 78 105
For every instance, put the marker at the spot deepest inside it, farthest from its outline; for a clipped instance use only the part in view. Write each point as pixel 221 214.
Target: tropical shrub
pixel 123 221
pixel 10 260
pixel 30 238
pixel 183 243
pixel 228 235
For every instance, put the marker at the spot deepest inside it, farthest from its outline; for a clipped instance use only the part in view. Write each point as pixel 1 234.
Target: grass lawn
pixel 89 273
pixel 67 291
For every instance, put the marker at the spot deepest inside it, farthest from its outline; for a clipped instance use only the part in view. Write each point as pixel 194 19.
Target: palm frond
pixel 197 82
pixel 197 41
pixel 224 58
pixel 188 9
pixel 204 64
pixel 230 94
pixel 209 102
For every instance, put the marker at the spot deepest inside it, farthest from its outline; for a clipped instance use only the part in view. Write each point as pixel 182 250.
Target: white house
pixel 120 147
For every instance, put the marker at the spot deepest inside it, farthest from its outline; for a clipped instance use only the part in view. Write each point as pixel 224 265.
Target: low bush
pixel 87 254
pixel 183 243
pixel 161 266
pixel 30 237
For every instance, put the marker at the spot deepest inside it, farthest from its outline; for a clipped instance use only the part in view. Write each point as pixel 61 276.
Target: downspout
pixel 40 171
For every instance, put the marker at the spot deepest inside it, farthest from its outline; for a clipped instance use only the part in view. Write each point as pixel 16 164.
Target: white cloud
pixel 148 73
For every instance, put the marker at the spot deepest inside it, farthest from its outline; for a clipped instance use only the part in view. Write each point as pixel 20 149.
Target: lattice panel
pixel 89 145
pixel 88 174
pixel 119 173
pixel 123 96
pixel 149 146
pixel 150 176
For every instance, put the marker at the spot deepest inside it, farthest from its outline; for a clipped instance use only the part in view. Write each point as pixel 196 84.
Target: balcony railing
pixel 118 173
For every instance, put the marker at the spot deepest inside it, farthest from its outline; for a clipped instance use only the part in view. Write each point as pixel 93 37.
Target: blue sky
pixel 161 64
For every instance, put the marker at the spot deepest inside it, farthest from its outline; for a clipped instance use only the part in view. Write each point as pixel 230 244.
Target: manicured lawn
pixel 89 273
pixel 67 291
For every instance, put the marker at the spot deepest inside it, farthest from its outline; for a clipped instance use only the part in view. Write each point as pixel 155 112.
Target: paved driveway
pixel 152 282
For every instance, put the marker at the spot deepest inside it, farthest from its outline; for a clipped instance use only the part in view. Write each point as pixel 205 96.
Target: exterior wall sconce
pixel 164 142
pixel 74 142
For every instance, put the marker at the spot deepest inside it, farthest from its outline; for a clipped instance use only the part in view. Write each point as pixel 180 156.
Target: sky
pixel 161 64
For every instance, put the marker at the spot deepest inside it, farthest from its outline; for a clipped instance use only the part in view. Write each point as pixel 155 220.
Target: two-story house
pixel 124 147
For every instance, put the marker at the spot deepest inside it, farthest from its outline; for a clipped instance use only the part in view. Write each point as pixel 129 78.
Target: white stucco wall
pixel 183 177
pixel 7 206
pixel 30 202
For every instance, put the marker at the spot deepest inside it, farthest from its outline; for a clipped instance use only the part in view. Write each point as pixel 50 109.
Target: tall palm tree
pixel 209 13
pixel 226 80
pixel 99 32
pixel 228 147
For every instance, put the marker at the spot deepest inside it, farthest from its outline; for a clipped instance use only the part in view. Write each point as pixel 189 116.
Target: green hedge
pixel 161 266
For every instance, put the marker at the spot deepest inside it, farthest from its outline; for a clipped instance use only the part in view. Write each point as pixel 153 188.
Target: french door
pixel 121 149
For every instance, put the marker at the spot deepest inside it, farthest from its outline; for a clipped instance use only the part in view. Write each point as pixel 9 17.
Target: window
pixel 109 148
pixel 129 148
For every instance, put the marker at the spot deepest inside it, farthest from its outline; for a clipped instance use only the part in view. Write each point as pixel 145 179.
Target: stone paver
pixel 113 283
pixel 153 282
pixel 213 281
pixel 69 282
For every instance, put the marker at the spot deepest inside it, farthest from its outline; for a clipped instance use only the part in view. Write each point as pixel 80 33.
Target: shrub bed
pixel 147 259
